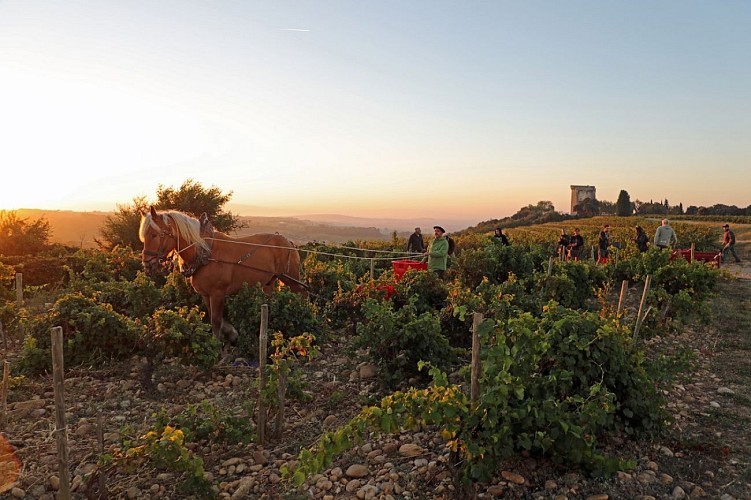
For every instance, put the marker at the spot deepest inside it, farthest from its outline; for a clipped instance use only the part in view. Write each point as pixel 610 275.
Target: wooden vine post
pixel 622 297
pixel 474 391
pixel 642 313
pixel 693 251
pixel 263 343
pixel 4 395
pixel 19 290
pixel 5 339
pixel 60 425
pixel 372 268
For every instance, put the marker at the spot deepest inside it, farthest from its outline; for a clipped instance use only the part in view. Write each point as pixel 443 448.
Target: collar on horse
pixel 202 256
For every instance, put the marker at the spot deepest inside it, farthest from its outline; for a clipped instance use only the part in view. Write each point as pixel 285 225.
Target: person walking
pixel 728 243
pixel 665 236
pixel 416 244
pixel 602 245
pixel 576 245
pixel 641 240
pixel 500 237
pixel 438 252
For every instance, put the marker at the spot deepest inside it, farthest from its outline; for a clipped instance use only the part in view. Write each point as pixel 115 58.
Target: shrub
pixel 289 312
pixel 181 333
pixel 426 289
pixel 494 262
pixel 93 333
pixel 398 339
pixel 346 307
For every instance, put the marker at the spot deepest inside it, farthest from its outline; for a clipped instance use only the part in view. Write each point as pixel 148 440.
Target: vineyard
pixel 517 375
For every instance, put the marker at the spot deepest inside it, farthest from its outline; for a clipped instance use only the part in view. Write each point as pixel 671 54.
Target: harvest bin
pixel 715 257
pixel 401 266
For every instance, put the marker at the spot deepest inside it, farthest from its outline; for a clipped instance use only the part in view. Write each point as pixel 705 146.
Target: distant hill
pixel 80 229
pixel 76 229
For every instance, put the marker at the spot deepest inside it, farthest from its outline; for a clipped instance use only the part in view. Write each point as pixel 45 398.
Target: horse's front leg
pixel 223 330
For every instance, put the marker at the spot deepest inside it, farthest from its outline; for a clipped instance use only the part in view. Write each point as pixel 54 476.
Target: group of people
pixel 439 248
pixel 569 247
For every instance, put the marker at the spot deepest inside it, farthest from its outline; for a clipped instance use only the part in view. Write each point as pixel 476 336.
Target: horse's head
pixel 159 240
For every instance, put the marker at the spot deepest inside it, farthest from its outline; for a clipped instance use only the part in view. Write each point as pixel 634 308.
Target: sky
pixel 381 108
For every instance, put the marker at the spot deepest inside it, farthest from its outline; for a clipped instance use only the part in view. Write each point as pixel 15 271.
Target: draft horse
pixel 217 264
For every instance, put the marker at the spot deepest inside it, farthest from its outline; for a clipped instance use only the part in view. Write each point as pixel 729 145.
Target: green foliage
pixel 287 356
pixel 494 262
pixel 289 313
pixel 182 333
pixel 398 339
pixel 208 422
pixel 425 290
pixel 177 291
pixel 137 298
pixel 572 284
pixel 552 385
pixel 326 278
pixel 7 284
pixel 120 263
pixel 93 333
pixel 346 308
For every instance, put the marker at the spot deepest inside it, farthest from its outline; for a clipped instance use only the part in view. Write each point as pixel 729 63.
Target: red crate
pixel 401 266
pixel 715 257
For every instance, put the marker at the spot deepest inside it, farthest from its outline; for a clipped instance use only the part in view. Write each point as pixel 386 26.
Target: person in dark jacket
pixel 576 245
pixel 416 244
pixel 641 240
pixel 500 237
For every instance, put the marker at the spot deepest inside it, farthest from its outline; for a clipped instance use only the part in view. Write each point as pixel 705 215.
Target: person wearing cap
pixel 728 243
pixel 665 236
pixel 438 252
pixel 416 243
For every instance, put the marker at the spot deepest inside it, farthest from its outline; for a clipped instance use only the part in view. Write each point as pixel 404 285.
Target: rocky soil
pixel 706 453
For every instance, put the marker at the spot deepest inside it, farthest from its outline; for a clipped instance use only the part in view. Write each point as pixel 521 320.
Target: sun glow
pixel 57 131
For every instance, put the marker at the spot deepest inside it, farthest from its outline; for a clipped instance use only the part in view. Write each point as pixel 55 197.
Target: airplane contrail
pixel 292 29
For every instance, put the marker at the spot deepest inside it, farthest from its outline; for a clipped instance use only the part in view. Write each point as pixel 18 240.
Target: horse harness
pixel 203 258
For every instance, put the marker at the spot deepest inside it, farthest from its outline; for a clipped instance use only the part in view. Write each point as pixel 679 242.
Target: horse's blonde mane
pixel 186 226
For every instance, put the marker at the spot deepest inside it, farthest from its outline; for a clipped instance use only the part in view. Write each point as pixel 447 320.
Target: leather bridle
pixel 161 252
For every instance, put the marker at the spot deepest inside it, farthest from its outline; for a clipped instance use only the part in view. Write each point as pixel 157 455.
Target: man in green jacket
pixel 438 252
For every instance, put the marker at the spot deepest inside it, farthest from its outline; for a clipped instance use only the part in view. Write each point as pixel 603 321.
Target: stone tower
pixel 581 193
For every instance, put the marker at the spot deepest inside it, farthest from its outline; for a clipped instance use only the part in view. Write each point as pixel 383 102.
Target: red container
pixel 700 256
pixel 401 266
